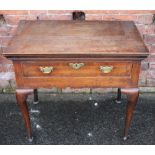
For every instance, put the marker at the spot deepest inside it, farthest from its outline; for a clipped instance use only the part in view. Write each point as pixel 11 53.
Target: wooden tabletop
pixel 104 38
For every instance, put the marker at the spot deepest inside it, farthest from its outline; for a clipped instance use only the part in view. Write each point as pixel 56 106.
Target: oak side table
pixel 76 54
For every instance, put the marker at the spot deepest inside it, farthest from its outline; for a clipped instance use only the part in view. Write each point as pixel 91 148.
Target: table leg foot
pixel 21 96
pixel 125 138
pixel 118 100
pixel 30 139
pixel 35 101
pixel 132 95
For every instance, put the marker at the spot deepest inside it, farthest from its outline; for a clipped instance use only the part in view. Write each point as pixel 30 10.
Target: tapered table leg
pixel 21 96
pixel 132 95
pixel 36 101
pixel 118 100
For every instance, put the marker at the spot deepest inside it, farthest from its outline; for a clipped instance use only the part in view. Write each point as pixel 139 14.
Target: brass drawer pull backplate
pixel 106 69
pixel 46 69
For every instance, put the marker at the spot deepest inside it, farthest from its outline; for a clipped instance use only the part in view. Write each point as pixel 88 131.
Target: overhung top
pixel 54 38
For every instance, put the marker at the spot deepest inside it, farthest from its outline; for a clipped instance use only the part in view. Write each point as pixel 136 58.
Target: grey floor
pixel 77 119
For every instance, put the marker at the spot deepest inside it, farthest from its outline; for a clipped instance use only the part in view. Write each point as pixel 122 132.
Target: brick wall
pixel 144 20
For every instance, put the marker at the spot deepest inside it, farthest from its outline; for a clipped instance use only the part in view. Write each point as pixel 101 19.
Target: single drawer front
pixel 76 69
pixel 76 74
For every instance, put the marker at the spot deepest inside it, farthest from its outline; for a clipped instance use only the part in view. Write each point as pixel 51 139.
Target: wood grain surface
pixel 105 38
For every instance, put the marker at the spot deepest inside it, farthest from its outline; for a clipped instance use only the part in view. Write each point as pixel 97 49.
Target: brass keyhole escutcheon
pixel 76 66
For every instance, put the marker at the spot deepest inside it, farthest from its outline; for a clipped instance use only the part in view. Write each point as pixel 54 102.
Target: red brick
pixel 1 58
pixel 37 12
pixel 14 20
pixel 151 73
pixel 152 49
pixel 144 65
pixel 150 29
pixel 142 82
pixel 149 39
pixel 4 30
pixel 137 11
pixel 120 17
pixel 7 67
pixel 1 67
pixel 152 65
pixel 4 60
pixel 146 29
pixel 14 12
pixel 143 74
pixel 93 17
pixel 3 48
pixel 55 17
pixel 141 28
pixel 4 40
pixel 12 30
pixel 150 82
pixel 150 58
pixel 142 78
pixel 145 19
pixel 60 11
pixel 119 11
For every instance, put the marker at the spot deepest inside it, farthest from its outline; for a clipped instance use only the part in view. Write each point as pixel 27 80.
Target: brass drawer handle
pixel 106 69
pixel 46 69
pixel 76 65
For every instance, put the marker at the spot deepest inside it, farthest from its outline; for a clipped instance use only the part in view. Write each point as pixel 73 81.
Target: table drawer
pixel 76 69
pixel 65 74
